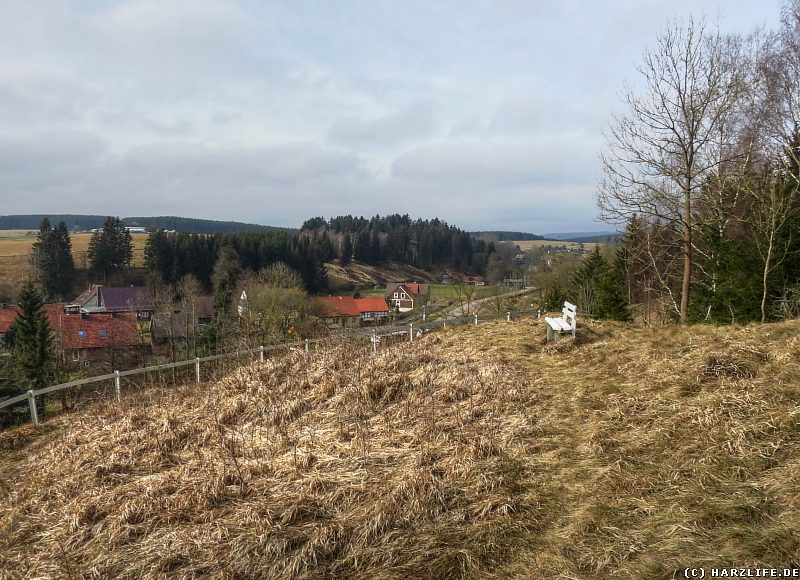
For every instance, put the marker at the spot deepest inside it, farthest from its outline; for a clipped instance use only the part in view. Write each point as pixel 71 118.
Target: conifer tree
pixel 52 256
pixel 31 343
pixel 111 248
pixel 64 275
pixel 611 294
pixel 347 250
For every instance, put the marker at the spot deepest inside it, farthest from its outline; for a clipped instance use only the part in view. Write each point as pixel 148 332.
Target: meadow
pixel 473 452
pixel 525 245
pixel 16 245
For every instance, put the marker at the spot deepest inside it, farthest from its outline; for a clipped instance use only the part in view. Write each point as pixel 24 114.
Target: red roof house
pixel 98 331
pixel 9 312
pixel 406 296
pixel 348 311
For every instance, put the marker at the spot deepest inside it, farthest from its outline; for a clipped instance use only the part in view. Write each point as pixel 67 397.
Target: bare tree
pixel 662 152
pixel 775 193
pixel 773 214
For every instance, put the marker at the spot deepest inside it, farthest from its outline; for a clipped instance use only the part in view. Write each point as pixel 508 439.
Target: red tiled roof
pixel 80 332
pixel 371 305
pixel 9 313
pixel 7 316
pixel 333 306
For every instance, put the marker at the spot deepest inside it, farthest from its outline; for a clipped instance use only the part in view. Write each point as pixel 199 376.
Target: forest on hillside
pixel 76 222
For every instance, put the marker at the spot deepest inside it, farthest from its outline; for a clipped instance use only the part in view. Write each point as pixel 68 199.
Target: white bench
pixel 567 322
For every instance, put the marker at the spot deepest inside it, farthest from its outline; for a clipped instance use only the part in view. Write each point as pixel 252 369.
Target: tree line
pixel 426 244
pixel 701 169
pixel 90 222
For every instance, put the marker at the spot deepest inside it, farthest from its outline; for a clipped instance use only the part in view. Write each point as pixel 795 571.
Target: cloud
pixel 413 122
pixel 486 115
pixel 542 160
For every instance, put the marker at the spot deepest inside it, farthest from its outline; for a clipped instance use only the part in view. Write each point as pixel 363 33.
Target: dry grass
pixel 15 250
pixel 358 275
pixel 475 452
pixel 531 244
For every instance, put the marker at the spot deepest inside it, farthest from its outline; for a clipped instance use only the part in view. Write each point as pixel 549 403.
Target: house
pixel 184 321
pixel 406 296
pixel 9 312
pixel 339 311
pixel 104 340
pixel 348 311
pixel 130 301
pixel 372 309
pixel 518 259
pixel 475 280
pixel 97 299
pixel 204 309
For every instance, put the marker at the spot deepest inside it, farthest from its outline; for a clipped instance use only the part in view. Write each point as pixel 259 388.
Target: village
pixel 108 327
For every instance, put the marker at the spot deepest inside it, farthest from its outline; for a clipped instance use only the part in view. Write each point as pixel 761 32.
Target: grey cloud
pixel 412 122
pixel 280 184
pixel 555 160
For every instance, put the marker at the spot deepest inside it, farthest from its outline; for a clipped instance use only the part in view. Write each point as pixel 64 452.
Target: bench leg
pixel 553 335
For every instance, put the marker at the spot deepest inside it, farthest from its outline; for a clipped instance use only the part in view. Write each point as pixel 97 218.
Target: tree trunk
pixel 687 256
pixel 767 264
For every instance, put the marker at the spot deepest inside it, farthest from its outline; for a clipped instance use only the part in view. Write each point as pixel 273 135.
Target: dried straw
pixel 475 452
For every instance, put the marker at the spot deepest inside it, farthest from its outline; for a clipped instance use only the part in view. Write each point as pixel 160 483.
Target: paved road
pixel 474 307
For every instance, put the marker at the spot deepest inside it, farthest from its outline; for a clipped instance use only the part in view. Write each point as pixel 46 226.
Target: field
pixel 477 452
pixel 525 245
pixel 357 275
pixel 15 250
pixel 444 292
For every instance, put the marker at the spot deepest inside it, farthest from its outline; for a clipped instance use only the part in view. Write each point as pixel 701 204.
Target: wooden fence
pixel 375 335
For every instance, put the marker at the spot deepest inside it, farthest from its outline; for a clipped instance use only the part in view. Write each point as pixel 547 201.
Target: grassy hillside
pixel 473 452
pixel 358 275
pixel 531 244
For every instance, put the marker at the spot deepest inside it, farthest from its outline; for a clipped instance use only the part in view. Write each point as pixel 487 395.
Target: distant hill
pixel 573 236
pixel 88 222
pixel 503 236
pixel 597 239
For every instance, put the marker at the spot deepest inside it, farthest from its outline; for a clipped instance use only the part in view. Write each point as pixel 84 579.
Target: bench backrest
pixel 569 313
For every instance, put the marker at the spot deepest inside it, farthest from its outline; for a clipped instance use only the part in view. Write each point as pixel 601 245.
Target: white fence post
pixel 117 385
pixel 538 314
pixel 32 403
pixel 261 354
pixel 476 320
pixel 508 316
pixel 410 332
pixel 306 345
pixel 197 369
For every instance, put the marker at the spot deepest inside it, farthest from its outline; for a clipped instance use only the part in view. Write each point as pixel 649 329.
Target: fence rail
pixel 374 333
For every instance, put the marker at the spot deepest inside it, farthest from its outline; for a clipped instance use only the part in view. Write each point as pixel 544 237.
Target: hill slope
pixel 476 452
pixel 86 222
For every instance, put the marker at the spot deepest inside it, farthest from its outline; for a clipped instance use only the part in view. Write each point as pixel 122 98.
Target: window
pixel 101 332
pixel 395 294
pixel 76 355
pixel 81 334
pixel 87 364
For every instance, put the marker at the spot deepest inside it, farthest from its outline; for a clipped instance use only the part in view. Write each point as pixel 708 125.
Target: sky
pixel 486 114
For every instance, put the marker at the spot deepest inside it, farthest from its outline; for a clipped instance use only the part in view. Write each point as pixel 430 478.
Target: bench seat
pixel 566 323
